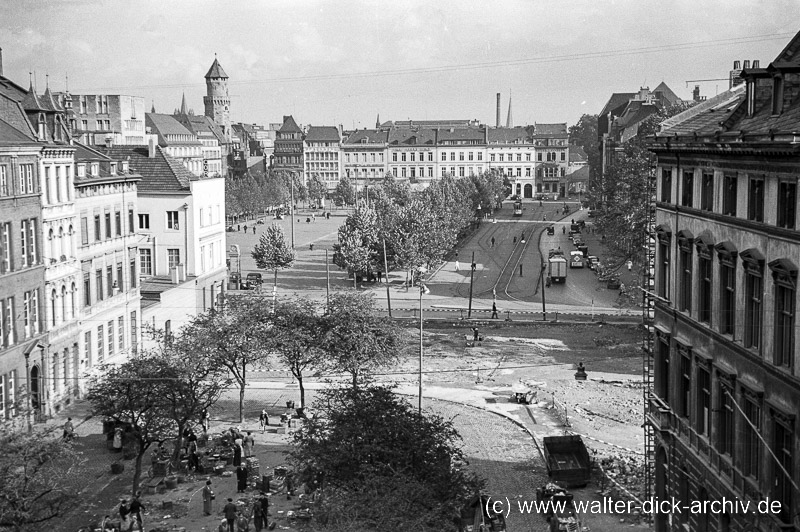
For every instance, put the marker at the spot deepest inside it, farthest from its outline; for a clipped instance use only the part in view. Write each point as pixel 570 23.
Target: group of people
pixel 234 519
pixel 130 515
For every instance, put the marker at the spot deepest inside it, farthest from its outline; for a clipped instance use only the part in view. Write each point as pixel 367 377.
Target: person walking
pixel 254 229
pixel 230 512
pixel 492 241
pixel 241 479
pixel 249 443
pixel 69 430
pixel 205 419
pixel 245 228
pixel 123 515
pixel 237 452
pixel 494 310
pixel 629 264
pixel 260 512
pixel 208 498
pixel 136 509
pixel 238 227
pixel 475 334
pixel 458 267
pixel 563 230
pixel 263 419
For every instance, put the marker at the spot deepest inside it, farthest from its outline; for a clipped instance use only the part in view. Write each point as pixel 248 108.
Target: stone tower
pixel 217 102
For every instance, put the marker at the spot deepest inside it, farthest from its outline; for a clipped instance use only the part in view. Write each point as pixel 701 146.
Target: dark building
pixel 726 366
pixel 289 147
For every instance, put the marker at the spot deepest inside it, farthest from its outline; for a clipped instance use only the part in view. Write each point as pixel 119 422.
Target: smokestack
pixel 756 63
pixel 696 93
pixel 509 120
pixel 498 110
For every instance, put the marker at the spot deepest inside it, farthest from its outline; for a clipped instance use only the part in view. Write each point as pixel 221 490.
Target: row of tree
pixel 258 192
pixel 411 231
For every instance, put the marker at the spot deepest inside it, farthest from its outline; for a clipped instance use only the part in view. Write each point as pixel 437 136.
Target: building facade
pixel 178 142
pixel 322 154
pixel 217 101
pixel 511 151
pixel 96 118
pixel 364 156
pixel 552 158
pixel 288 156
pixel 726 363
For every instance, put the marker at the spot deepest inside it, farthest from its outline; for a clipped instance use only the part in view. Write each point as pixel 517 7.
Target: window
pixel 687 189
pixel 146 261
pixel 782 446
pixel 5 247
pixel 87 289
pixel 705 274
pixel 118 223
pixel 452 156
pixel 502 157
pixel 663 264
pixel 111 338
pixel 707 192
pixel 777 95
pixel 120 278
pixel 134 333
pixel 110 280
pixel 725 418
pixel 703 400
pixel 685 384
pixel 785 277
pixel 563 156
pixel 394 156
pixel 751 427
pixel 480 156
pixel 121 333
pixel 98 235
pixel 666 185
pixel 403 157
pixel 753 297
pixel 100 344
pixel 98 277
pixel 787 204
pixel 173 258
pixel 133 272
pixel 144 221
pixel 172 220
pixel 662 368
pixel 25 179
pixel 108 224
pixel 727 289
pixel 84 230
pixel 131 225
pixel 755 200
pixel 685 275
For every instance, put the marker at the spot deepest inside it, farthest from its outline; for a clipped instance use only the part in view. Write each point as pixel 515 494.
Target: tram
pixel 518 208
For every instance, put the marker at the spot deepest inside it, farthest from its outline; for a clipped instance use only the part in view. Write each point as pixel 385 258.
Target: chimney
pixel 151 146
pixel 746 64
pixel 737 65
pixel 696 93
pixel 173 275
pixel 756 63
pixel 498 110
pixel 736 74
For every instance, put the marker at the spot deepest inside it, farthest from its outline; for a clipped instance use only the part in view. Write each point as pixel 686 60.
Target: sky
pixel 348 61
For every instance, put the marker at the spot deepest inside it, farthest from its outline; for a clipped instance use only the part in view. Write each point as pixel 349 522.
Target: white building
pixel 178 142
pixel 323 155
pixel 95 118
pixel 364 156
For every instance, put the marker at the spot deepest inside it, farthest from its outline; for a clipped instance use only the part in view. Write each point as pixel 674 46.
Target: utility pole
pixel 291 207
pixel 386 268
pixel 541 280
pixel 471 276
pixel 328 281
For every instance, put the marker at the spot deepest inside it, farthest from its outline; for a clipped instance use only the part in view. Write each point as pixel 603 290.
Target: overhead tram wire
pixel 472 66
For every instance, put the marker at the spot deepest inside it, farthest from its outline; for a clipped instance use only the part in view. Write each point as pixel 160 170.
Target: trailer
pixel 561 513
pixel 557 266
pixel 567 460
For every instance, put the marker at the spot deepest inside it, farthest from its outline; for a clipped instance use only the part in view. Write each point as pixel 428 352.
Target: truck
pixel 575 259
pixel 557 266
pixel 567 460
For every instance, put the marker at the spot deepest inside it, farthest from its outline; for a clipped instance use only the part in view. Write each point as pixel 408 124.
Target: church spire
pixel 378 121
pixel 509 119
pixel 153 107
pixel 183 105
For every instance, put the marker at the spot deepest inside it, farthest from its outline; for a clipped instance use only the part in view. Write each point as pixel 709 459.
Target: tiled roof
pixel 791 53
pixel 667 94
pixel 85 153
pixel 550 130
pixel 577 154
pixel 164 125
pixel 322 134
pixel 200 124
pixel 216 70
pixel 428 123
pixel 508 135
pixel 9 135
pixel 162 173
pixel 705 117
pixel 412 136
pixel 618 99
pixel 461 133
pixel 31 101
pixel 11 89
pixel 373 136
pixel 289 125
pixel 580 174
pixel 12 113
pixel 635 112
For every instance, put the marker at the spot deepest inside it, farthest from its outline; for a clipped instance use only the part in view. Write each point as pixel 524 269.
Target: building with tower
pixel 217 100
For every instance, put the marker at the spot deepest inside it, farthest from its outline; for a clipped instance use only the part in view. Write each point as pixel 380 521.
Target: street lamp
pixel 28 389
pixel 422 290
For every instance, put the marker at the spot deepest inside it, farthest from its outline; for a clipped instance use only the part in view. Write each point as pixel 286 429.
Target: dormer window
pixel 95 169
pixel 113 168
pixel 81 170
pixel 124 167
pixel 777 95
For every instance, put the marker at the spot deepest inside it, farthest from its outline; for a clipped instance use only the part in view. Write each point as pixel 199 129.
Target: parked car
pixel 551 230
pixel 592 261
pixel 253 280
pixel 575 259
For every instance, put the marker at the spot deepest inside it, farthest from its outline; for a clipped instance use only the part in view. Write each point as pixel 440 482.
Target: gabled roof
pixel 9 135
pixel 666 94
pixel 161 173
pixel 461 133
pixel 86 153
pixel 412 136
pixel 372 136
pixel 13 114
pixel 705 117
pixel 617 100
pixel 11 89
pixel 216 70
pixel 580 174
pixel 164 125
pixel 322 134
pixel 289 125
pixel 198 124
pixel 791 53
pixel 635 112
pixel 508 135
pixel 550 130
pixel 31 101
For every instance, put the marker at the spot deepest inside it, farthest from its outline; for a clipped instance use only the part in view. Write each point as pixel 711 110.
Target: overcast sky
pixel 344 62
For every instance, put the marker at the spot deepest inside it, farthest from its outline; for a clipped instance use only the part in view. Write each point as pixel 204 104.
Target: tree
pixel 300 189
pixel 236 337
pixel 355 340
pixel 356 248
pixel 296 332
pixel 398 191
pixel 344 194
pixel 383 465
pixel 35 473
pixel 134 393
pixel 584 134
pixel 316 189
pixel 273 252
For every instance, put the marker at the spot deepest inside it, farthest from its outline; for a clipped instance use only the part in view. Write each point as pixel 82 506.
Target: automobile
pixel 260 222
pixel 573 234
pixel 584 249
pixel 551 230
pixel 592 213
pixel 592 261
pixel 575 259
pixel 577 241
pixel 253 280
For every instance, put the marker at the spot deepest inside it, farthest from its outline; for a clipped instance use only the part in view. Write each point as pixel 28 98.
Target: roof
pixel 216 70
pixel 550 130
pixel 164 125
pixel 791 53
pixel 322 134
pixel 577 154
pixel 667 94
pixel 12 113
pixel 412 136
pixel 635 112
pixel 580 174
pixel 11 89
pixel 508 135
pixel 461 133
pixel 200 124
pixel 705 117
pixel 372 136
pixel 617 100
pixel 161 173
pixel 31 101
pixel 428 123
pixel 289 125
pixel 9 135
pixel 87 153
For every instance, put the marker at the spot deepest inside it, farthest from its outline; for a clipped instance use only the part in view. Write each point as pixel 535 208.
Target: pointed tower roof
pixel 289 125
pixel 183 105
pixel 49 101
pixel 378 121
pixel 216 70
pixel 31 102
pixel 509 119
pixel 153 107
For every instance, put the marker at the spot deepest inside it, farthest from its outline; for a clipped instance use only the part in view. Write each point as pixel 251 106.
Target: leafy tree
pixel 344 194
pixel 355 339
pixel 273 252
pixel 399 192
pixel 300 189
pixel 35 473
pixel 134 393
pixel 584 134
pixel 296 332
pixel 357 242
pixel 237 337
pixel 316 189
pixel 383 465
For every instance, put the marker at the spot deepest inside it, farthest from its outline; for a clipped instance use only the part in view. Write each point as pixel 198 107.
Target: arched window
pixel 54 307
pixel 61 250
pixel 70 236
pixel 73 301
pixel 64 305
pixel 52 238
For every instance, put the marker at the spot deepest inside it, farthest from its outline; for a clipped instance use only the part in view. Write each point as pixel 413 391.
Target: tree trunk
pixel 176 454
pixel 299 377
pixel 355 279
pixel 137 468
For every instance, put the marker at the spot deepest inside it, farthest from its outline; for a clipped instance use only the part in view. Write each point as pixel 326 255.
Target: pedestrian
pixel 572 221
pixel 249 443
pixel 69 430
pixel 238 227
pixel 563 230
pixel 474 334
pixel 242 523
pixel 254 229
pixel 241 479
pixel 544 217
pixel 629 264
pixel 237 452
pixel 520 270
pixel 515 240
pixel 328 215
pixel 522 238
pixel 263 419
pixel 230 512
pixel 260 519
pixel 223 526
pixel 494 310
pixel 492 241
pixel 458 267
pixel 245 228
pixel 313 217
pixel 289 486
pixel 380 276
pixel 208 498
pixel 136 509
pixel 123 514
pixel 205 418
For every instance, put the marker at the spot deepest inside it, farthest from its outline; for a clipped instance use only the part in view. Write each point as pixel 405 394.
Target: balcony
pixel 659 414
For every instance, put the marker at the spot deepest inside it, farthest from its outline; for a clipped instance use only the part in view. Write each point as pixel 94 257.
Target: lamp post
pixel 471 276
pixel 422 290
pixel 29 413
pixel 291 206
